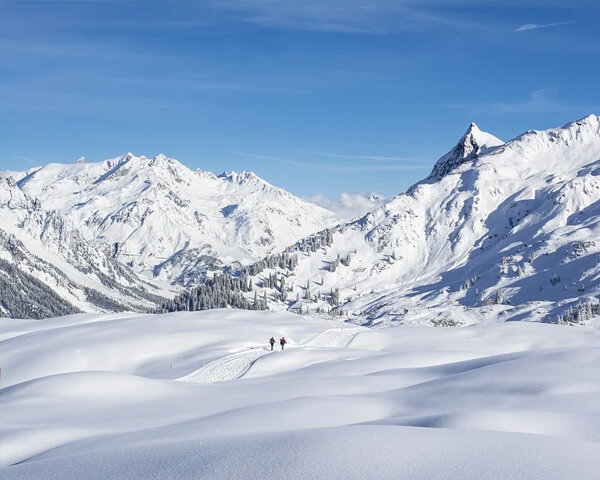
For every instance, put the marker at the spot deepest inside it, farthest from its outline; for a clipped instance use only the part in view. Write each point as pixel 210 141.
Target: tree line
pixel 231 288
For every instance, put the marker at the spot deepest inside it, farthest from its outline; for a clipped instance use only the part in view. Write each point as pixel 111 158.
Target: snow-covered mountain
pixel 47 267
pixel 497 228
pixel 167 221
pixel 510 229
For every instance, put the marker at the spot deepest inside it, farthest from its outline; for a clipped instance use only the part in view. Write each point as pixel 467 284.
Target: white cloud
pixel 347 16
pixel 349 205
pixel 358 169
pixel 376 158
pixel 536 26
pixel 542 100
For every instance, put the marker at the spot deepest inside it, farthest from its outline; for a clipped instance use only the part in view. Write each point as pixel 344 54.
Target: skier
pixel 282 342
pixel 272 342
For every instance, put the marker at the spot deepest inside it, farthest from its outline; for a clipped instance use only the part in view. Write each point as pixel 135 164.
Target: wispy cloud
pixel 348 16
pixel 363 170
pixel 536 26
pixel 538 101
pixel 258 156
pixel 80 103
pixel 376 158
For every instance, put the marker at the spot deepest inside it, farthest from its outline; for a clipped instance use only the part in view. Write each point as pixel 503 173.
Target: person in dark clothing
pixel 282 342
pixel 272 342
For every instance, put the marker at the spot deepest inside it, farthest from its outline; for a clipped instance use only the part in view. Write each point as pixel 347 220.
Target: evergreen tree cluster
pixel 24 296
pixel 220 291
pixel 227 289
pixel 582 312
pixel 314 242
pixel 334 298
pixel 333 265
pixel 469 283
pixel 286 260
pixel 275 282
pixel 345 260
pixel 497 298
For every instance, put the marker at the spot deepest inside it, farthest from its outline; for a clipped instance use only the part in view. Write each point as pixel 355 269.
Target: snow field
pixel 239 364
pixel 89 396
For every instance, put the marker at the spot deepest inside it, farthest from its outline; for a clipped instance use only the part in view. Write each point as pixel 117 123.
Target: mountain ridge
pixel 510 232
pixel 42 252
pixel 497 230
pixel 171 222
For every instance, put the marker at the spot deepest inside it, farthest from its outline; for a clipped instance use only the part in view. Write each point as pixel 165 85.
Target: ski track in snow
pixel 333 338
pixel 226 368
pixel 236 365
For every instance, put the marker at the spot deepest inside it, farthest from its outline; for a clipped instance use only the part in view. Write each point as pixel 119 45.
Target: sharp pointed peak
pixel 478 137
pixel 470 145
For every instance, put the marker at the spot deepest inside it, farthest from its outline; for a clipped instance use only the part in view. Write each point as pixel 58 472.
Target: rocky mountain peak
pixel 471 144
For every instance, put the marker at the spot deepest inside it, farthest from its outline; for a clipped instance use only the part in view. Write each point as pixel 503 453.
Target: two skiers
pixel 282 342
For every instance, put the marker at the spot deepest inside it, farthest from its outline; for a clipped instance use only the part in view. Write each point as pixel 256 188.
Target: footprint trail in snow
pixel 238 364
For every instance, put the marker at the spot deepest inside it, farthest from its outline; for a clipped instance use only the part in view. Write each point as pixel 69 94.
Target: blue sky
pixel 315 96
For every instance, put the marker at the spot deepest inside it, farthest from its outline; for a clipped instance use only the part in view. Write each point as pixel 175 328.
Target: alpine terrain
pixel 171 223
pixel 47 268
pixel 374 287
pixel 498 231
pixel 190 395
pixel 505 230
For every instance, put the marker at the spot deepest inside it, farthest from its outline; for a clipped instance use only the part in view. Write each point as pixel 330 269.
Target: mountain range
pixel 171 223
pixel 497 230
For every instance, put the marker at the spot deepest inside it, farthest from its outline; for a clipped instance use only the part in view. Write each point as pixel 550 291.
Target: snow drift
pixel 93 396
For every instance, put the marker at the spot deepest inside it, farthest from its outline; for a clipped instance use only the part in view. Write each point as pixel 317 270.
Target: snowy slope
pixel 170 222
pixel 93 396
pixel 505 228
pixel 47 268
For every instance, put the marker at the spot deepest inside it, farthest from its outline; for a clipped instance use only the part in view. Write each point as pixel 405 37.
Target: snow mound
pixel 486 401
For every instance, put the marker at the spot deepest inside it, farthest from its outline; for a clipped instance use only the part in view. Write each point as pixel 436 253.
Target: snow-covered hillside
pixel 198 395
pixel 170 222
pixel 505 228
pixel 47 268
